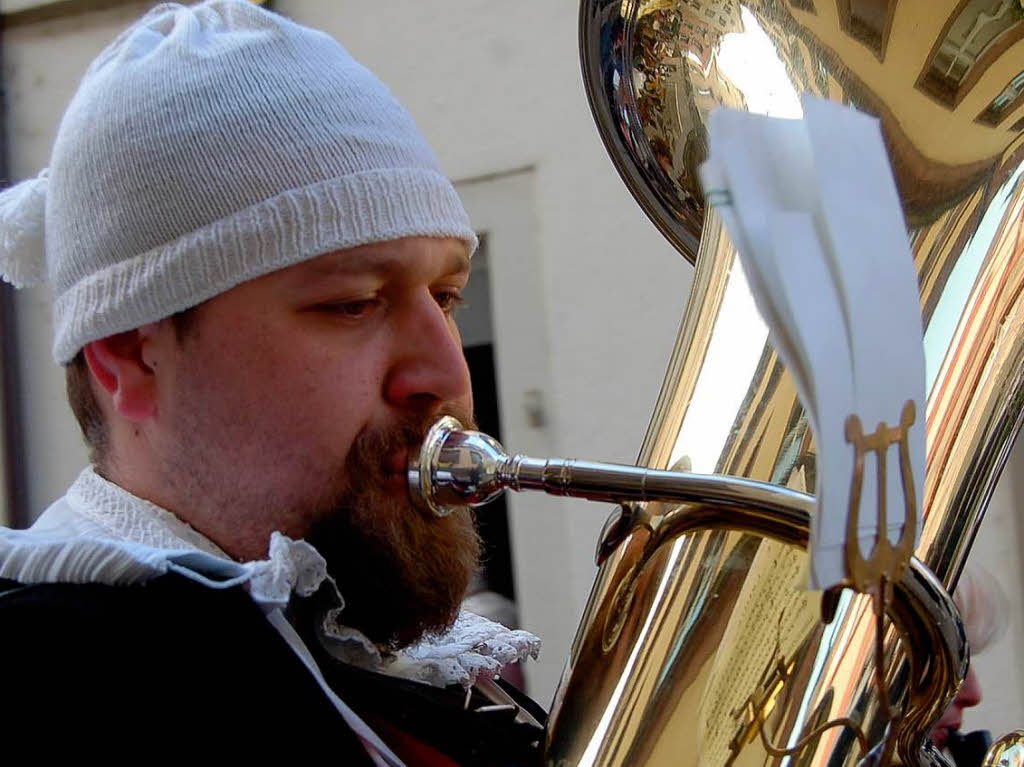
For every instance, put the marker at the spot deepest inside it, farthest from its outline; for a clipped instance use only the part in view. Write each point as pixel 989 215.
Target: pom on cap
pixel 22 230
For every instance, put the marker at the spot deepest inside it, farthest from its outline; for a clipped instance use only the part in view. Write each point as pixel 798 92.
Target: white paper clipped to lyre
pixel 812 208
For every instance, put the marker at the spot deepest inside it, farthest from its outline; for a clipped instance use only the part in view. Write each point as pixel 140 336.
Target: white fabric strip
pixel 368 737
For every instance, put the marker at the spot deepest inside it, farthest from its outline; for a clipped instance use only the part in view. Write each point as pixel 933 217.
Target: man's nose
pixel 429 368
pixel 970 691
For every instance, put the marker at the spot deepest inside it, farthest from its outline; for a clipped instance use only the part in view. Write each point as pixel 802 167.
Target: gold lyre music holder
pixel 876 573
pixel 887 561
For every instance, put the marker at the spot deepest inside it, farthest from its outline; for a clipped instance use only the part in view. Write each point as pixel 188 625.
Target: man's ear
pixel 118 365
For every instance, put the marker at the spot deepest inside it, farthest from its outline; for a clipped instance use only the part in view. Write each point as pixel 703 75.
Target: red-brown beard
pixel 402 572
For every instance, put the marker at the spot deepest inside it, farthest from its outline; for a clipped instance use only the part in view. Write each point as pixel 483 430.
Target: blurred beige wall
pixel 998 549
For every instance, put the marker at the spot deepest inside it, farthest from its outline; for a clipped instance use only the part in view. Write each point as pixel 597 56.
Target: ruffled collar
pixel 472 648
pixel 101 533
pixel 118 515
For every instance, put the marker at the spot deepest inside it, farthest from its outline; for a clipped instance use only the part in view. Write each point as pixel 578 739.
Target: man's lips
pixel 396 468
pixel 397 462
pixel 942 731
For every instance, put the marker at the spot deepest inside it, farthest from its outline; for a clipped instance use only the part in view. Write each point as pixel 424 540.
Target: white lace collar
pixel 118 515
pixel 474 647
pixel 100 532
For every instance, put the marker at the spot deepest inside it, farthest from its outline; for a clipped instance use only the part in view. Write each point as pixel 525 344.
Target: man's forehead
pixel 434 254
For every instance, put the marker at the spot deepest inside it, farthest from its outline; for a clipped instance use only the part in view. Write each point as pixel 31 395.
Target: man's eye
pixel 449 301
pixel 351 309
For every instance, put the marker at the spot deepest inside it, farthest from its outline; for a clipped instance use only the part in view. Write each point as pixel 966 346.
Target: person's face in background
pixel 969 695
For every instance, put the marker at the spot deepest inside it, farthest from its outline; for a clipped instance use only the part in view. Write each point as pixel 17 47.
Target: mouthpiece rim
pixel 421 475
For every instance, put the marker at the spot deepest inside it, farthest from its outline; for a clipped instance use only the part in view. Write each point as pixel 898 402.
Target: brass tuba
pixel 700 644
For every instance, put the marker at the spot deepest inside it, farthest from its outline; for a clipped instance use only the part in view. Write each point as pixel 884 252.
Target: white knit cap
pixel 207 146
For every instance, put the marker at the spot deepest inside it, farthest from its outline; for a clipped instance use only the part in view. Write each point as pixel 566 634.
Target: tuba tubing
pixel 456 468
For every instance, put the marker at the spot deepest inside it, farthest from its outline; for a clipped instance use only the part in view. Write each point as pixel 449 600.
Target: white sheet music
pixel 812 207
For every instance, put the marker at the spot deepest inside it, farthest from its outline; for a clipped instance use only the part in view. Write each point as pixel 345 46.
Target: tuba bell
pixel 700 645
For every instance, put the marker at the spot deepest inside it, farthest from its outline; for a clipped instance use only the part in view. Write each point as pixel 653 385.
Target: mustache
pixel 372 445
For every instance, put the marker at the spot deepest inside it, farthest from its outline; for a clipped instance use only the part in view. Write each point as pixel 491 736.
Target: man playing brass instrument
pixel 255 262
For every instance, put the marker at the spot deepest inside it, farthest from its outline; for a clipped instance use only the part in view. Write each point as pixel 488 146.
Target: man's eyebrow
pixel 456 262
pixel 343 263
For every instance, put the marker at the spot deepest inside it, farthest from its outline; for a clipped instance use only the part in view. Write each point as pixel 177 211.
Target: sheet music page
pixel 812 207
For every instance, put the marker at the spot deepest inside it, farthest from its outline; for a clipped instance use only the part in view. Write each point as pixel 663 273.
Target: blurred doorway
pixel 476 325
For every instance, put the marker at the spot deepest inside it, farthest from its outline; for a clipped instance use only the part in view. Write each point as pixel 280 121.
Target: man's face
pixel 292 403
pixel 951 720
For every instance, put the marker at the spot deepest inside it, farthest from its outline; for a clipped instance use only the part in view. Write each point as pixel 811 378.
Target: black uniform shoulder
pixel 470 730
pixel 170 658
pixel 171 618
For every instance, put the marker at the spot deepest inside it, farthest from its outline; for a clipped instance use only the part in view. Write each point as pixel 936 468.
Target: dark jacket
pixel 178 669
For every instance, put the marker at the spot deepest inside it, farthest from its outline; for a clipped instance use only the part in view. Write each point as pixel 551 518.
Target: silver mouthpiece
pixel 455 467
